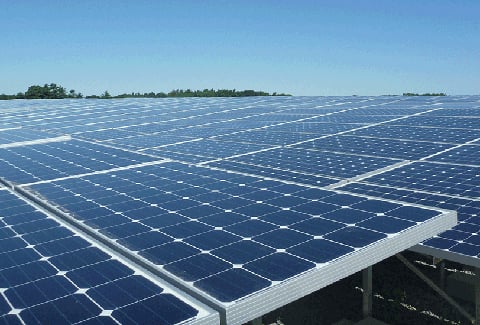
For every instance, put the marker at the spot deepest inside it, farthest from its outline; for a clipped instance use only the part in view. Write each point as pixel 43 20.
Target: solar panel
pixel 454 180
pixel 386 148
pixel 39 162
pixel 428 134
pixel 245 202
pixel 463 155
pixel 51 275
pixel 292 163
pixel 236 248
pixel 10 136
pixel 460 244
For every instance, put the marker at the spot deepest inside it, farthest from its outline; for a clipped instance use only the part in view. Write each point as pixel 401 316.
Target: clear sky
pixel 336 47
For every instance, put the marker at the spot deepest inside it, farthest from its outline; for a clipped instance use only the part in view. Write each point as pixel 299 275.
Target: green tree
pixel 106 95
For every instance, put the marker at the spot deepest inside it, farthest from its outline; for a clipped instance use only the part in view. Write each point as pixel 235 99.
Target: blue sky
pixel 301 47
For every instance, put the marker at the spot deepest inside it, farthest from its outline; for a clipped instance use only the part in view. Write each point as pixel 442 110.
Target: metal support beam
pixel 477 296
pixel 432 285
pixel 256 321
pixel 441 268
pixel 367 292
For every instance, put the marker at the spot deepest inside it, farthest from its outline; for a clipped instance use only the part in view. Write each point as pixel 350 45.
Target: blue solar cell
pixel 282 238
pixel 223 219
pixel 170 252
pixel 99 273
pixel 441 243
pixel 4 307
pixel 474 240
pixel 413 214
pixel 15 219
pixel 375 206
pixel 47 235
pixel 261 195
pixel 126 205
pixel 386 224
pixel 125 230
pixel 232 284
pixel 35 226
pixel 186 229
pixel 354 236
pixel 93 214
pixel 145 240
pixel 467 227
pixel 313 193
pixel 233 203
pixel 454 235
pixel 256 209
pixel 200 211
pixel 152 311
pixel 122 292
pixel 16 209
pixel 343 199
pixel 10 320
pixel 242 251
pixel 6 233
pixel 18 257
pixel 197 267
pixel 347 215
pixel 316 208
pixel 317 226
pixel 212 239
pixel 38 292
pixel 21 274
pixel 466 249
pixel 287 201
pixel 250 228
pixel 164 220
pixel 106 220
pixel 67 310
pixel 279 266
pixel 320 250
pixel 285 217
pixel 78 258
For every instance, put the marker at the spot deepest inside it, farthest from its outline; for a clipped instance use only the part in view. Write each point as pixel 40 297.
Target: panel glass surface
pixel 215 229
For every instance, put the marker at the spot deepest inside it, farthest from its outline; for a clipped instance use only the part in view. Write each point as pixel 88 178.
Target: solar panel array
pixel 246 203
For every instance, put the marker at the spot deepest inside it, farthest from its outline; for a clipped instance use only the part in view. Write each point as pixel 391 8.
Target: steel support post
pixel 477 296
pixel 367 292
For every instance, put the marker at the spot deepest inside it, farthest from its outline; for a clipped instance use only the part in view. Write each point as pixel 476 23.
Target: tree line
pixel 54 91
pixel 47 91
pixel 425 94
